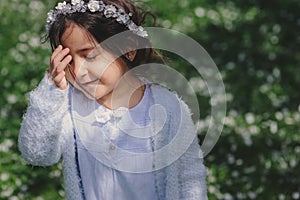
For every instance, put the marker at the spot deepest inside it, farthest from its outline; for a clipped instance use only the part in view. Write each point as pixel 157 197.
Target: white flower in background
pixel 93 6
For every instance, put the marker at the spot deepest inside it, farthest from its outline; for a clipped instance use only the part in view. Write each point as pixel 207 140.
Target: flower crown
pixel 109 11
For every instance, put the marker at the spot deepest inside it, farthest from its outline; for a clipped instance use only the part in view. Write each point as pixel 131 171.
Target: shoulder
pixel 163 93
pixel 168 99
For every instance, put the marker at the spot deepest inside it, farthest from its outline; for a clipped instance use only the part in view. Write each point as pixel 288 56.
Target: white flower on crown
pixel 75 2
pixel 137 29
pixel 141 32
pixel 61 6
pixel 132 26
pixel 50 16
pixel 110 11
pixel 93 5
pixel 123 17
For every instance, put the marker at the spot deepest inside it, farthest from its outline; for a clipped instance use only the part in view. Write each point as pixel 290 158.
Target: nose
pixel 80 70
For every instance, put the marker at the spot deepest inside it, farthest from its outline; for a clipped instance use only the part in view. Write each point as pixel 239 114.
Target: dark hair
pixel 102 28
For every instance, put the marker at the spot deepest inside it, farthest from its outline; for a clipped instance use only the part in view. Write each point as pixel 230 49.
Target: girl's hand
pixel 58 62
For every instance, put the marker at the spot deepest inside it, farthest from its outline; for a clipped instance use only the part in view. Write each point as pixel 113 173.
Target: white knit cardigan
pixel 47 135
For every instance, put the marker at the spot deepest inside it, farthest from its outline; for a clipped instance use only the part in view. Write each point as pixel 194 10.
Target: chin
pixel 87 92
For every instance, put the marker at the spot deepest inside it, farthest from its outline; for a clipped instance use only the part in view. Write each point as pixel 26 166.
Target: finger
pixel 60 56
pixel 54 71
pixel 56 52
pixel 59 78
pixel 63 64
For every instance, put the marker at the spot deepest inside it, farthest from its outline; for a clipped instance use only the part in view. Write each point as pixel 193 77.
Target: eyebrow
pixel 85 49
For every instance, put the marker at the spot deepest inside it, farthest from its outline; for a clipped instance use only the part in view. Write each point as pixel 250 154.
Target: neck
pixel 128 93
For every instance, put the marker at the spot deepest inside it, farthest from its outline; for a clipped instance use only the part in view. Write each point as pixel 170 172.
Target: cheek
pixel 107 63
pixel 113 73
pixel 98 68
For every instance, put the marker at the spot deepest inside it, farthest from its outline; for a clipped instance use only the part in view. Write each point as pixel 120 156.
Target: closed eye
pixel 90 58
pixel 92 54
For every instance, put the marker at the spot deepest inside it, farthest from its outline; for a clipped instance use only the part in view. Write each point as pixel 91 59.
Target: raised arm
pixel 41 138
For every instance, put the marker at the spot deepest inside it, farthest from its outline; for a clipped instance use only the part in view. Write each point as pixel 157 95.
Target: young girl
pixel 119 136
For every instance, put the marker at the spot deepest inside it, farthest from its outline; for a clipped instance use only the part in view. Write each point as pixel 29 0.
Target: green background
pixel 254 43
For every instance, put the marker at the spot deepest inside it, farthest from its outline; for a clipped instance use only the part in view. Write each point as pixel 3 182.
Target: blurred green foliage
pixel 255 45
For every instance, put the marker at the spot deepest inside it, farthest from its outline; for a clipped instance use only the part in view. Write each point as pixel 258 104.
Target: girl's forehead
pixel 76 37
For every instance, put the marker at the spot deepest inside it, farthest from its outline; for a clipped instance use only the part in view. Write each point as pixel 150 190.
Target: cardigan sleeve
pixel 192 176
pixel 40 139
pixel 184 178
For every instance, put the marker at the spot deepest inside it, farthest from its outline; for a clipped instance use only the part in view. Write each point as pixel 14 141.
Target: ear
pixel 131 55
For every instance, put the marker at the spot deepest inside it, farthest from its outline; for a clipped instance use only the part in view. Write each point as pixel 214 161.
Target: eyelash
pixel 89 59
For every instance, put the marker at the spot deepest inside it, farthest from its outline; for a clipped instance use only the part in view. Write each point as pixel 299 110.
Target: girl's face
pixel 93 70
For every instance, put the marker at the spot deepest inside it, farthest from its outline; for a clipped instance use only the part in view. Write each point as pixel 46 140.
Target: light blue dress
pixel 47 136
pixel 100 162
